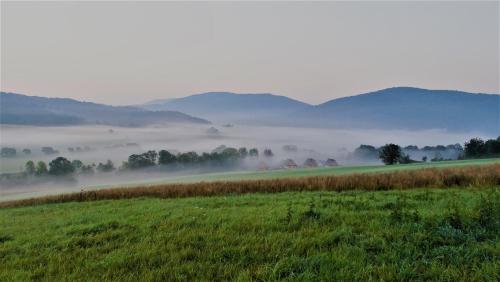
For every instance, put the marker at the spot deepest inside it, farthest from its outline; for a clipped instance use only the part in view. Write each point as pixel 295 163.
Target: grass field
pixel 419 234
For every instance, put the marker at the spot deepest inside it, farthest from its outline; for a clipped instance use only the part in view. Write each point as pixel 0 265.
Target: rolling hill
pixel 406 108
pixel 231 107
pixel 33 110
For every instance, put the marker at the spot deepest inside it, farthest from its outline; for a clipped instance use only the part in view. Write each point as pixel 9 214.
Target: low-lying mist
pixel 95 144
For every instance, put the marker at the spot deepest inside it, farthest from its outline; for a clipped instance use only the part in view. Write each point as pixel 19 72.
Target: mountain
pixel 33 110
pixel 408 108
pixel 231 107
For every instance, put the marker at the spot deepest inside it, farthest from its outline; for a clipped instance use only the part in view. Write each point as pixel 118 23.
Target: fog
pixel 100 143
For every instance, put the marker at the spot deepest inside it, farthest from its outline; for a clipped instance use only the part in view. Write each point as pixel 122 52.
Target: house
pixel 289 163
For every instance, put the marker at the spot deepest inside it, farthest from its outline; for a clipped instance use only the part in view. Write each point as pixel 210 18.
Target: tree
pixel 60 166
pixel 365 152
pixel 268 153
pixel 107 167
pixel 165 157
pixel 8 152
pixel 142 160
pixel 243 152
pixel 390 154
pixel 29 167
pixel 475 148
pixel 49 150
pixel 188 158
pixel 230 153
pixel 77 164
pixel 493 147
pixel 87 169
pixel 405 159
pixel 27 151
pixel 41 168
pixel 253 152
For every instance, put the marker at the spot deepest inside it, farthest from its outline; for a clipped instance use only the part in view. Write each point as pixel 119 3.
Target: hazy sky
pixel 132 52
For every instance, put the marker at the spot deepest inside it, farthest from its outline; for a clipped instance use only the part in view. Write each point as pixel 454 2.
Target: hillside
pixel 32 110
pixel 231 107
pixel 408 108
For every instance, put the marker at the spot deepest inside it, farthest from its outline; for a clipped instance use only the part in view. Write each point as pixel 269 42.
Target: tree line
pixel 230 157
pixel 474 148
pixel 220 157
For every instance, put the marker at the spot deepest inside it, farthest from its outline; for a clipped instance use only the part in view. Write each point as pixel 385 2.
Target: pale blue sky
pixel 132 52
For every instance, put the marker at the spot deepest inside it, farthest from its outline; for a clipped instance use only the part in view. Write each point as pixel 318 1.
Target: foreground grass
pixel 420 234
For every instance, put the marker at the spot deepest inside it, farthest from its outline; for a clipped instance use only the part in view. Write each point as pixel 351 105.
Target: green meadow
pixel 420 234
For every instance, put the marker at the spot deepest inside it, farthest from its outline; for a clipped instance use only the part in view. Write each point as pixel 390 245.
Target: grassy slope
pixel 305 236
pixel 304 172
pixel 254 175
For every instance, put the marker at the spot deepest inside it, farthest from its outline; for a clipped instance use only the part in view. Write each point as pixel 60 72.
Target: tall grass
pixel 486 175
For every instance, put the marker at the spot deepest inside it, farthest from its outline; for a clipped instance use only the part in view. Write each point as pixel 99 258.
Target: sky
pixel 133 52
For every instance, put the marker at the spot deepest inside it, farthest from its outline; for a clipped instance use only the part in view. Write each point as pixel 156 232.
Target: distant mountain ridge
pixel 34 110
pixel 408 108
pixel 232 107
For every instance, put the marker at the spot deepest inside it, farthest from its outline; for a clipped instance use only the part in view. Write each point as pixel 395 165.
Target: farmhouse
pixel 289 163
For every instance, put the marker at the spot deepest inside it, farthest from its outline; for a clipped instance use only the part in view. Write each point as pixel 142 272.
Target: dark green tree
pixel 142 160
pixel 188 158
pixel 493 147
pixel 390 154
pixel 166 158
pixel 475 148
pixel 60 166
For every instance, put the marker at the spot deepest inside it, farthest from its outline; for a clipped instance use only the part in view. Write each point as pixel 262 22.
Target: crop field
pixel 420 234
